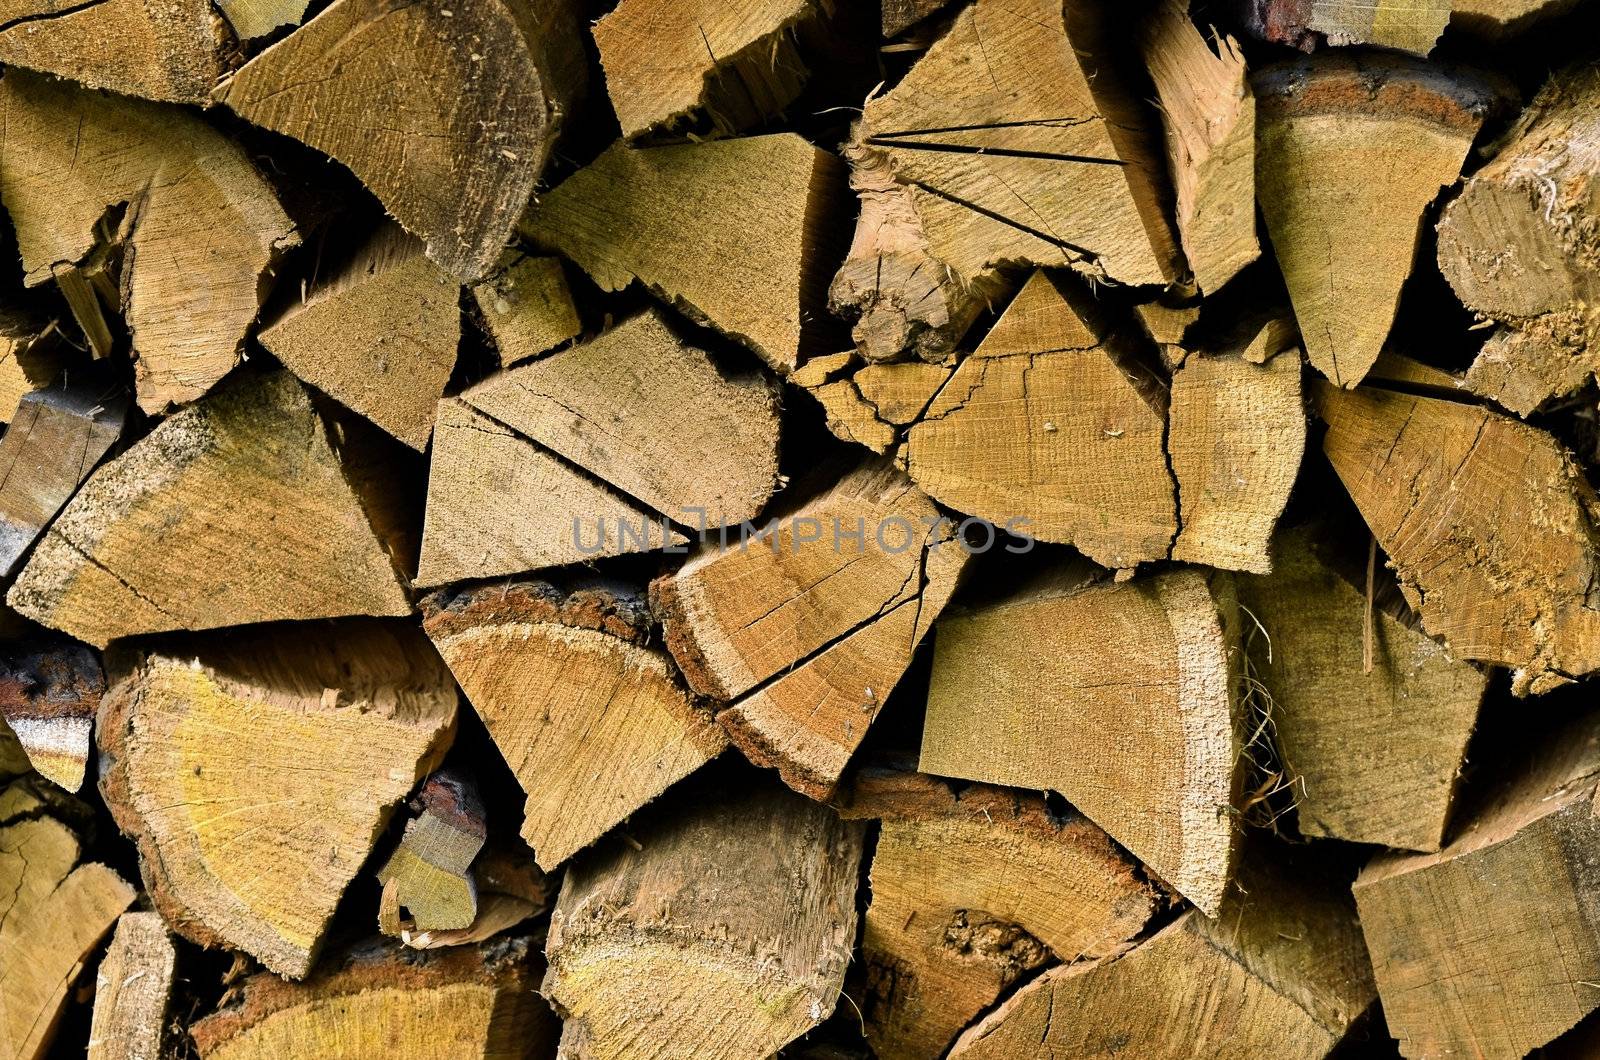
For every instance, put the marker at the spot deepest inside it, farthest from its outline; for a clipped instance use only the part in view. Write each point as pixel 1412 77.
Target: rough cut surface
pixel 49 693
pixel 133 987
pixel 157 49
pixel 527 307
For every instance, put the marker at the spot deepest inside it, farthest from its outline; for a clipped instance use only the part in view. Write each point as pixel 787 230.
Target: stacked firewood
pixel 707 529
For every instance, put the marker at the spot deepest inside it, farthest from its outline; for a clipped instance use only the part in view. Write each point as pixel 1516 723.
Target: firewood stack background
pixel 728 528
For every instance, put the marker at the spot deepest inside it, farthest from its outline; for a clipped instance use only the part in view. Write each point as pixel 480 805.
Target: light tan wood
pixel 527 307
pixel 1406 25
pixel 472 97
pixel 158 50
pixel 1053 429
pixel 255 772
pixel 257 18
pixel 429 875
pixel 49 692
pixel 736 233
pixel 133 988
pixel 724 931
pixel 379 336
pixel 1409 25
pixel 1489 524
pixel 510 889
pixel 1209 114
pixel 249 474
pixel 589 716
pixel 32 354
pixel 201 232
pixel 972 890
pixel 93 289
pixel 869 404
pixel 1350 152
pixel 1119 696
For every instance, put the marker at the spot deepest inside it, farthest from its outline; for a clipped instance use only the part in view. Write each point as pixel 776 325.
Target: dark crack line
pixel 997 152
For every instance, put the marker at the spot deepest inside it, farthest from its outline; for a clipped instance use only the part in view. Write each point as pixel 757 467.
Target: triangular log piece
pixel 1488 522
pixel 736 233
pixel 379 337
pixel 472 97
pixel 32 354
pixel 429 875
pixel 724 930
pixel 204 753
pixel 133 988
pixel 1053 429
pixel 971 891
pixel 1119 696
pixel 587 714
pixel 643 411
pixel 1351 150
pixel 201 229
pixel 48 697
pixel 1486 947
pixel 526 307
pixel 234 510
pixel 499 504
pixel 167 50
pixel 377 999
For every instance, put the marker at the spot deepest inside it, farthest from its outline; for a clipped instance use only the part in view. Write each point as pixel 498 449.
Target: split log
pixel 970 891
pixel 133 988
pixel 53 912
pixel 1350 152
pixel 196 741
pixel 163 51
pixel 807 631
pixel 725 933
pixel 377 999
pixel 49 694
pixel 429 875
pixel 1518 246
pixel 379 337
pixel 1407 25
pixel 648 414
pixel 1280 972
pixel 1082 423
pixel 500 504
pixel 735 233
pixel 250 19
pixel 32 355
pixel 900 15
pixel 1486 948
pixel 472 96
pixel 1210 117
pixel 201 230
pixel 869 405
pixel 588 716
pixel 526 307
pixel 510 889
pixel 249 474
pixel 1119 696
pixel 1488 522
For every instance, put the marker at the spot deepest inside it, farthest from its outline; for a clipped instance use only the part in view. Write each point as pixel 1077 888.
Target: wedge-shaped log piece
pixel 869 405
pixel 723 931
pixel 164 51
pixel 430 873
pixel 1119 696
pixel 1280 972
pixel 1487 947
pixel 737 233
pixel 650 415
pixel 53 913
pixel 32 354
pixel 1053 429
pixel 133 988
pixel 49 693
pixel 971 891
pixel 1210 117
pixel 588 716
pixel 1235 433
pixel 1518 246
pixel 234 510
pixel 510 888
pixel 471 95
pixel 204 747
pixel 201 228
pixel 380 337
pixel 1488 522
pixel 526 307
pixel 1350 152
pixel 379 1000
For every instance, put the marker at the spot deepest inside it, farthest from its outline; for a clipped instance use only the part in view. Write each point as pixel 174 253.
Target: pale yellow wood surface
pixel 49 692
pixel 133 987
pixel 257 18
pixel 32 354
pixel 158 50
pixel 527 307
pixel 1408 25
pixel 429 874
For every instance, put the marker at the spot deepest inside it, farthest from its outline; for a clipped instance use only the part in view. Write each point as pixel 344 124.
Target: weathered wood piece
pixel 133 988
pixel 510 889
pixel 526 307
pixel 32 354
pixel 379 336
pixel 204 748
pixel 1489 524
pixel 200 228
pixel 472 97
pixel 724 931
pixel 1054 429
pixel 1408 25
pixel 377 999
pixel 162 51
pixel 971 890
pixel 1119 696
pixel 249 474
pixel 48 697
pixel 901 15
pixel 1350 152
pixel 736 233
pixel 429 875
pixel 587 714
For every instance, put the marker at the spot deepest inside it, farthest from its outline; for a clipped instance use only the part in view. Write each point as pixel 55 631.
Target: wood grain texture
pixel 429 875
pixel 526 307
pixel 166 51
pixel 470 93
pixel 32 354
pixel 255 772
pixel 133 987
pixel 49 692
pixel 1119 696
pixel 871 404
pixel 251 19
